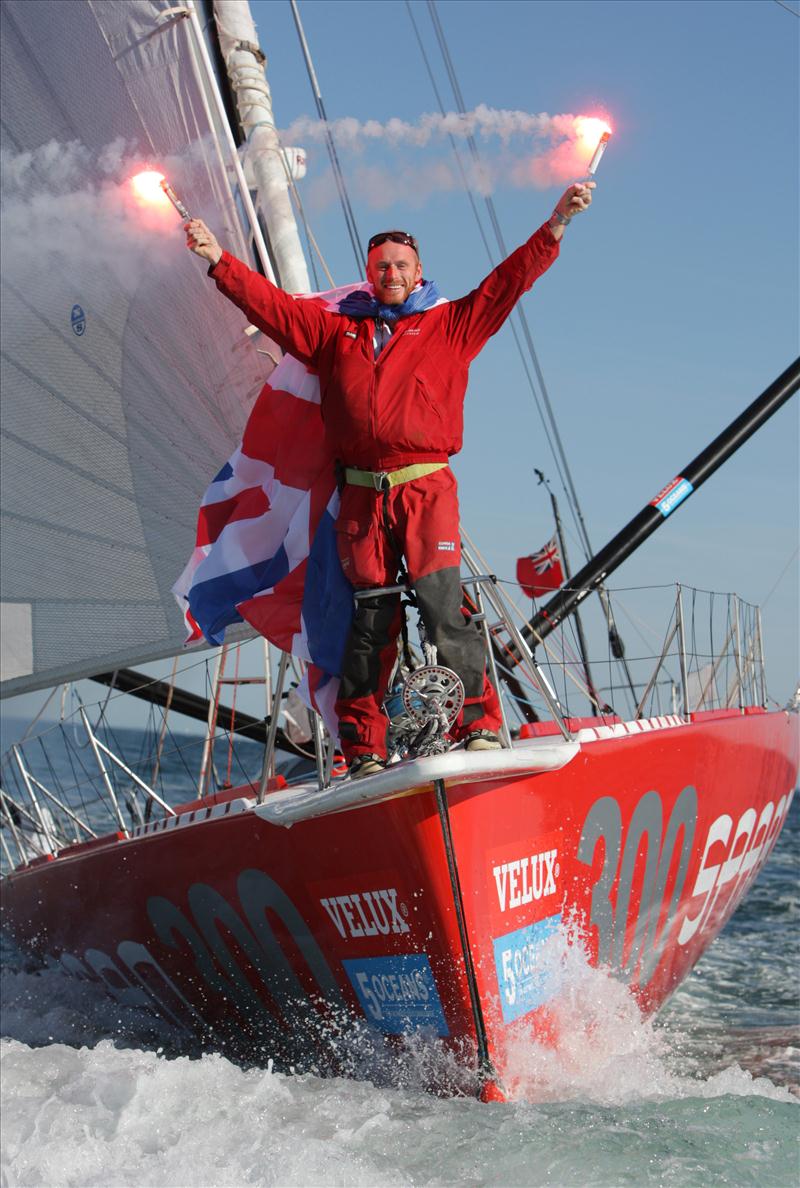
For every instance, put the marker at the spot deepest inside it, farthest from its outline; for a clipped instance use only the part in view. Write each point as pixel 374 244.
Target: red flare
pixel 593 136
pixel 147 187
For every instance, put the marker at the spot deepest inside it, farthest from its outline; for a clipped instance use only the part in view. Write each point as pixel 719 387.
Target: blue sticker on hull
pixel 524 982
pixel 398 994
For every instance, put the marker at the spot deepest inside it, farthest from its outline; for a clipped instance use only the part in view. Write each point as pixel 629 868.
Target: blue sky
pixel 675 300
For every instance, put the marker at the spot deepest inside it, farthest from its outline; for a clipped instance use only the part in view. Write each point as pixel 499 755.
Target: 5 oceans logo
pixel 397 991
pixel 525 879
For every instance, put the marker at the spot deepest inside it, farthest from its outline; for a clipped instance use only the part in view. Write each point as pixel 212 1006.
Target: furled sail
pixel 126 380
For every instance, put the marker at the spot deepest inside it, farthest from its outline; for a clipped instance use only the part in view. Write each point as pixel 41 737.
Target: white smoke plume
pixel 519 150
pixel 64 205
pixel 484 122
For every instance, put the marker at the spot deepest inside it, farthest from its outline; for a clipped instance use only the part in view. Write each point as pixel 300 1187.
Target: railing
pixel 710 656
pixel 38 818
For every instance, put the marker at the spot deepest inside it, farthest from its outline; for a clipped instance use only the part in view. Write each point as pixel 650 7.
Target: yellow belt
pixel 382 480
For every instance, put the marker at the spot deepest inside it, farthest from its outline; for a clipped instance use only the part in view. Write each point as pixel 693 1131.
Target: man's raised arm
pixel 475 318
pixel 298 326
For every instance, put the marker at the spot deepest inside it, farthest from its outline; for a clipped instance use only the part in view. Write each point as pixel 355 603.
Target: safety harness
pixel 384 480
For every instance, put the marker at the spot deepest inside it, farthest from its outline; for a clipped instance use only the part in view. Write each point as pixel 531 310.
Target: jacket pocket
pixel 357 543
pixel 351 529
pixel 429 403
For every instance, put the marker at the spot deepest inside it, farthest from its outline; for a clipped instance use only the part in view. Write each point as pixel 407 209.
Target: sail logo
pixel 77 320
pixel 367 913
pixel 526 880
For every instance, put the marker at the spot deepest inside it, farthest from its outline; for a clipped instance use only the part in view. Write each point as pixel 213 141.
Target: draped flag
pixel 541 572
pixel 265 549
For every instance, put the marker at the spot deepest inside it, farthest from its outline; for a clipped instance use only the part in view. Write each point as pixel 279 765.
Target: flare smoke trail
pixel 485 122
pixel 64 205
pixel 548 150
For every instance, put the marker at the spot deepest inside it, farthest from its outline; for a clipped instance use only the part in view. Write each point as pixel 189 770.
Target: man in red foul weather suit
pixel 393 370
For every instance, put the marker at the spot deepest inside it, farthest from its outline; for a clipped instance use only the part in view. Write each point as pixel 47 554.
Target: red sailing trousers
pixel 419 520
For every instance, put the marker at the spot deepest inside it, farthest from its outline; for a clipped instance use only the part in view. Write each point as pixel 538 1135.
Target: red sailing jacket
pixel 408 404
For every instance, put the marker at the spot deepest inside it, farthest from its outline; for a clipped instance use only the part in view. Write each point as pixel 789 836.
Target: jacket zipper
pixel 373 412
pixel 373 384
pixel 373 398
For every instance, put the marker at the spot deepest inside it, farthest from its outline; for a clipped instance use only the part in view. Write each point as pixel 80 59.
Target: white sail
pixel 126 379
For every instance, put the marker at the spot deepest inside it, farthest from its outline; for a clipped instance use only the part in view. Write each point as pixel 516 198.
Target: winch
pixel 432 697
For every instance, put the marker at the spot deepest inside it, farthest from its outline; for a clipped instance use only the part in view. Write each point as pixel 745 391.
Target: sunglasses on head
pixel 401 237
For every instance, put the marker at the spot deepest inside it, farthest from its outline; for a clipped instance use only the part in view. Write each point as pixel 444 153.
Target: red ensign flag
pixel 542 571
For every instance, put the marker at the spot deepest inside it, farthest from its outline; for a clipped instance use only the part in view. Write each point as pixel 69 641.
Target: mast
pixel 654 513
pixel 245 62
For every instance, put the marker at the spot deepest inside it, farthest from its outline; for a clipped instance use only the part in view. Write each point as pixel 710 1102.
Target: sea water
pixel 706 1093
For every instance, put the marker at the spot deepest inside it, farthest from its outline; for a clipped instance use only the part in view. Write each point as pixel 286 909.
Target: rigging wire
pixel 522 669
pixel 490 254
pixel 559 456
pixel 309 234
pixel 349 217
pixel 779 579
pixel 31 725
pixel 558 451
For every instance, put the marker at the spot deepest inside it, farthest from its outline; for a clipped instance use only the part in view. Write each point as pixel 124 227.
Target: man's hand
pixel 202 241
pixel 576 198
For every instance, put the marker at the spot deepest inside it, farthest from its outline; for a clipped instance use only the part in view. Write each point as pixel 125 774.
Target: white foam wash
pixel 703 1095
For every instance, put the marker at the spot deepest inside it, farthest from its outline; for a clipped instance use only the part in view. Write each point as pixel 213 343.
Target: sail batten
pixel 126 380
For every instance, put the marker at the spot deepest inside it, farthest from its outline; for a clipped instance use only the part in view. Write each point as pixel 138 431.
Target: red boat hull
pixel 428 910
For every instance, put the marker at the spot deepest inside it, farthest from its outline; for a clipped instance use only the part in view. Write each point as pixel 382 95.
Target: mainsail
pixel 125 382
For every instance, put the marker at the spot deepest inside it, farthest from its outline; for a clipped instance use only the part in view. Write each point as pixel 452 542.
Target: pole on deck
pixel 562 545
pixel 654 513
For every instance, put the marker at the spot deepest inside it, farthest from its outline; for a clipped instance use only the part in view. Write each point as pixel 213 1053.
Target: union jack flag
pixel 541 572
pixel 265 550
